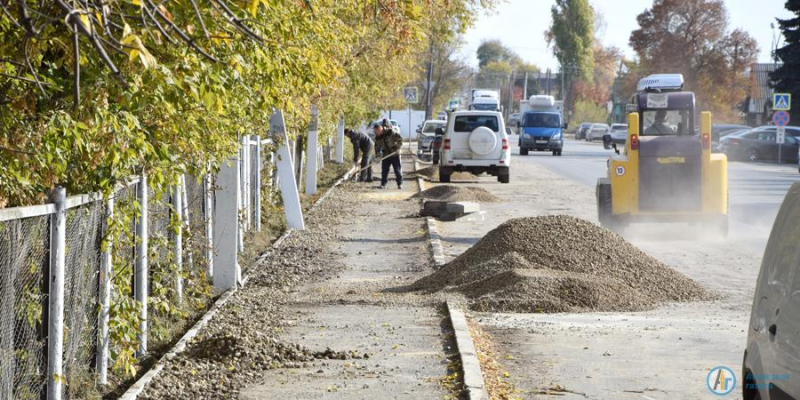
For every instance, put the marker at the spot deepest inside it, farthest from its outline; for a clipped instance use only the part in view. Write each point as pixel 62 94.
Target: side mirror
pixel 565 125
pixel 439 132
pixel 419 130
pixel 607 141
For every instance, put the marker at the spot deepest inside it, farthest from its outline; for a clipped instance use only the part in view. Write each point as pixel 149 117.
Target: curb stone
pixel 136 389
pixel 470 365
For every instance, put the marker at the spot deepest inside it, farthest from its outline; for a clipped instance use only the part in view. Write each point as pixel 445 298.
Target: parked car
pixel 619 135
pixel 771 364
pixel 426 135
pixel 760 144
pixel 476 142
pixel 514 120
pixel 580 133
pixel 436 146
pixel 597 131
pixel 719 131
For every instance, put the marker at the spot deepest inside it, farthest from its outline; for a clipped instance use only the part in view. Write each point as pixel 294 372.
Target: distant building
pixel 758 105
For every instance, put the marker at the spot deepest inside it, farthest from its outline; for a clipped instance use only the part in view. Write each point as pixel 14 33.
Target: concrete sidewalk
pixel 406 337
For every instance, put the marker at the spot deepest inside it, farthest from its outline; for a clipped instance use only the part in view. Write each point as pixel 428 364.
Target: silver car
pixel 596 132
pixel 426 135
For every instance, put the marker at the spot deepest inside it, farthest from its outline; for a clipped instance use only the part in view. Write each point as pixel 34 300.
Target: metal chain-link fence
pixel 23 256
pixel 81 279
pixel 101 322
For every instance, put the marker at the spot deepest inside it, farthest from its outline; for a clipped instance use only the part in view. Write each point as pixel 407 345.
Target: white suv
pixel 475 141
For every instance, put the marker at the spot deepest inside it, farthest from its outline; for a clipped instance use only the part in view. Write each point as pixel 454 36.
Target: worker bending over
pixel 364 145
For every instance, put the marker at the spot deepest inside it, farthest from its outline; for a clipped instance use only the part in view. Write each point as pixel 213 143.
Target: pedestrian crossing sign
pixel 411 95
pixel 782 101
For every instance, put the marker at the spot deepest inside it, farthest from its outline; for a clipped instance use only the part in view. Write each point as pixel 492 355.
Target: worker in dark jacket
pixel 388 143
pixel 362 144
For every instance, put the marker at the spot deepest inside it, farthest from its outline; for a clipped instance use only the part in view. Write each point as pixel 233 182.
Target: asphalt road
pixel 756 189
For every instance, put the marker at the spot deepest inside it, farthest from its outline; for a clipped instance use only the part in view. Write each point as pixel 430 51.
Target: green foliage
pixel 588 111
pixel 571 34
pixel 786 78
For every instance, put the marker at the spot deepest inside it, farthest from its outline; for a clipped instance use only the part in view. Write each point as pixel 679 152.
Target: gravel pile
pixel 432 174
pixel 559 263
pixel 457 193
pixel 241 341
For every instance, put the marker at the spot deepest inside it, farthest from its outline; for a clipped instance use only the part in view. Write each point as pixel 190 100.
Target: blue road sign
pixel 411 95
pixel 782 101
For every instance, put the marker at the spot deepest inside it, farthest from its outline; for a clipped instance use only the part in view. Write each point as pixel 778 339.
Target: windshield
pixel 484 107
pixel 431 128
pixel 666 123
pixel 468 123
pixel 541 121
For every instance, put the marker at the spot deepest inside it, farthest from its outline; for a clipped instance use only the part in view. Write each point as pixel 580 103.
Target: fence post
pixel 246 184
pixel 141 269
pixel 291 199
pixel 208 193
pixel 259 165
pixel 330 148
pixel 226 225
pixel 186 222
pixel 177 239
pixel 340 141
pixel 55 322
pixel 106 268
pixel 312 152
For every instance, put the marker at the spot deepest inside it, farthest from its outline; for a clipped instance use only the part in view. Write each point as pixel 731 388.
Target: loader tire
pixel 605 212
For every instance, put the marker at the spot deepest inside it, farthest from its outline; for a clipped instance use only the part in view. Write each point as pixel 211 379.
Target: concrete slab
pixel 462 207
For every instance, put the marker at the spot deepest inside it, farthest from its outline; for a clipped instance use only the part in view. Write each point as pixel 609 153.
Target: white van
pixel 771 368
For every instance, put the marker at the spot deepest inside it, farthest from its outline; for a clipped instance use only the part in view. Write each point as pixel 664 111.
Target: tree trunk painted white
pixel 291 198
pixel 226 226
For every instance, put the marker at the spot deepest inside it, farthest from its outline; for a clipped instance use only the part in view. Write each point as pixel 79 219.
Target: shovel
pixel 355 174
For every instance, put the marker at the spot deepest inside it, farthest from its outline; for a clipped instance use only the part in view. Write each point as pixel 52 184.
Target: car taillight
pixel 634 142
pixel 706 142
pixel 735 141
pixel 447 144
pixel 505 144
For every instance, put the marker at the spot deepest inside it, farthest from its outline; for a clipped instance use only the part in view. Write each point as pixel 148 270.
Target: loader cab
pixel 670 155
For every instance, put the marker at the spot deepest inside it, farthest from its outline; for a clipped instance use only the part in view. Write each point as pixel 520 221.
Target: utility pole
pixel 525 87
pixel 510 96
pixel 428 105
pixel 547 82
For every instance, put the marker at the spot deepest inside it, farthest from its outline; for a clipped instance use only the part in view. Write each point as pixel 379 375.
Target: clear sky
pixel 520 24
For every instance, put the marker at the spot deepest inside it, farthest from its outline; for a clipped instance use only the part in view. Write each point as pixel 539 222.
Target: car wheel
pixel 559 153
pixel 523 151
pixel 752 154
pixel 435 159
pixel 503 175
pixel 749 387
pixel 555 152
